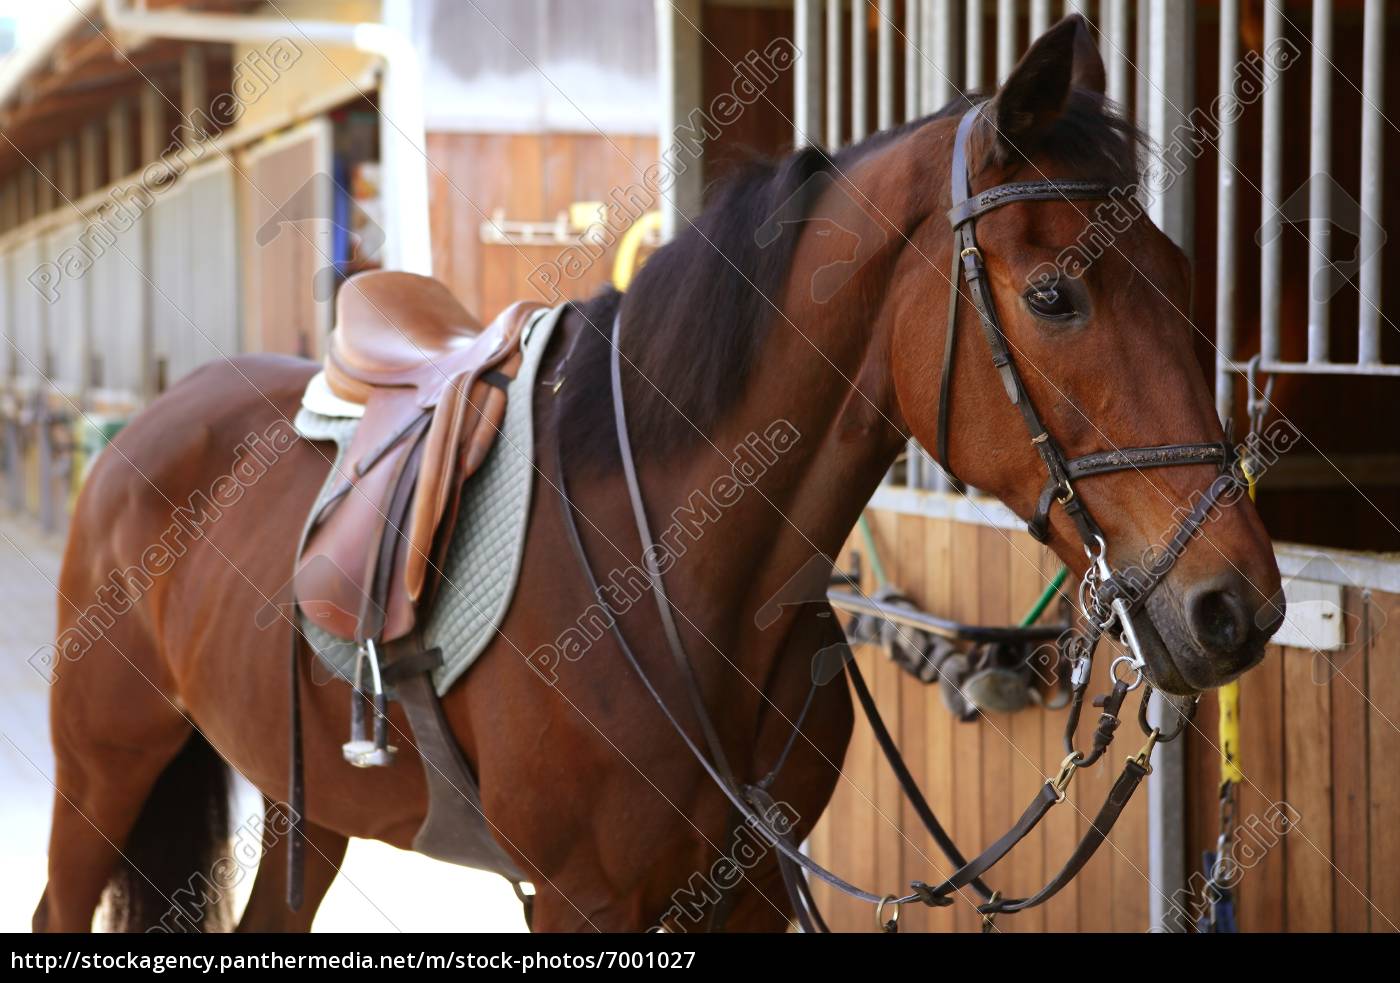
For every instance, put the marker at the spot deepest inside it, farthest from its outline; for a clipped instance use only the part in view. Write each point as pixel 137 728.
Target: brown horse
pixel 727 333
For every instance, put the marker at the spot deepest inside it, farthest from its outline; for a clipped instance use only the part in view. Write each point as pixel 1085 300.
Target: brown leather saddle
pixel 432 381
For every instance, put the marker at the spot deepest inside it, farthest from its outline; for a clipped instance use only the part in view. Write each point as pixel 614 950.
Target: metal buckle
pixel 1143 759
pixel 1067 769
pixel 971 251
pixel 989 920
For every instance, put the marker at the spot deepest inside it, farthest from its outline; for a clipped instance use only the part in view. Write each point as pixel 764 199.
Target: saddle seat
pixel 433 383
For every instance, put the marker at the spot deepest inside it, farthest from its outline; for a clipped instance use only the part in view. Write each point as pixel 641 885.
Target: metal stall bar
pixel 1228 144
pixel 860 125
pixel 1007 22
pixel 1114 35
pixel 885 66
pixel 1171 94
pixel 1143 47
pixel 940 68
pixel 679 55
pixel 913 67
pixel 972 50
pixel 807 95
pixel 1271 188
pixel 834 63
pixel 1040 18
pixel 1372 180
pixel 1320 274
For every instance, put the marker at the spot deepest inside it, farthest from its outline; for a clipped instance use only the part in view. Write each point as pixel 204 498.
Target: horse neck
pixel 811 439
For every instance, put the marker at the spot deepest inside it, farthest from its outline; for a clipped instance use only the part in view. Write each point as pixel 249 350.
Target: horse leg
pixel 124 812
pixel 267 909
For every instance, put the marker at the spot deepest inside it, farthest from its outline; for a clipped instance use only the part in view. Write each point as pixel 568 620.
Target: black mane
pixel 700 309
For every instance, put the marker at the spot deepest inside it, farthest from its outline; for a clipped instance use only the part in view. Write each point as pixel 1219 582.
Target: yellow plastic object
pixel 1229 698
pixel 625 265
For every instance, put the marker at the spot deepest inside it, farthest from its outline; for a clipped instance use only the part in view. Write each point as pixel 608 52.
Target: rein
pixel 1106 600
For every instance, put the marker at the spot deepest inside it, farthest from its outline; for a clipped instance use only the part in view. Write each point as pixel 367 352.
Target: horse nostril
pixel 1219 620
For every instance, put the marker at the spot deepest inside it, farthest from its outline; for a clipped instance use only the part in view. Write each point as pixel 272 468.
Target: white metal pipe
pixel 834 63
pixel 807 103
pixel 402 127
pixel 1319 190
pixel 1007 29
pixel 1226 193
pixel 1040 18
pixel 940 54
pixel 1271 190
pixel 972 50
pixel 860 125
pixel 885 71
pixel 1115 35
pixel 1143 46
pixel 913 61
pixel 1372 235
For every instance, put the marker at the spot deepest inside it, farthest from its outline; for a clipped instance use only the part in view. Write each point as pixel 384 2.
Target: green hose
pixel 1032 616
pixel 1046 596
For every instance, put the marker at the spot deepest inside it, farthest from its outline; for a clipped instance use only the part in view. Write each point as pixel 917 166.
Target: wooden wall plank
pixel 939 724
pixel 1308 785
pixel 1064 824
pixel 1383 739
pixel 968 773
pixel 921 855
pixel 891 834
pixel 1028 766
pixel 1346 672
pixel 1261 892
pixel 994 607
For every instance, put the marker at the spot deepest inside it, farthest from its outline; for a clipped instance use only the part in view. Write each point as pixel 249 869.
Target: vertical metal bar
pixel 885 48
pixel 1372 236
pixel 1007 23
pixel 1143 45
pixel 1319 196
pixel 834 63
pixel 1271 190
pixel 913 57
pixel 1173 37
pixel 941 51
pixel 1228 146
pixel 1080 7
pixel 1040 18
pixel 972 49
pixel 860 124
pixel 807 108
pixel 1115 38
pixel 678 48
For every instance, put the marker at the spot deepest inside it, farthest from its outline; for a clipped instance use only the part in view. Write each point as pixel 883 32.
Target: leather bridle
pixel 1107 599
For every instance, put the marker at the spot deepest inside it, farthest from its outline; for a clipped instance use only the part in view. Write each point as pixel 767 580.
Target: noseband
pixel 1103 588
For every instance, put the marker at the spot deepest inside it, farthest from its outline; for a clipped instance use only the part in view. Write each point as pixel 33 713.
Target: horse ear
pixel 1038 89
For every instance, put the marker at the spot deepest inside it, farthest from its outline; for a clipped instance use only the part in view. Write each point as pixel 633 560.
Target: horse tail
pixel 168 877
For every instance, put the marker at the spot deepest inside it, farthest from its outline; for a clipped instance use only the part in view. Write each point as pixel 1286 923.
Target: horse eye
pixel 1049 302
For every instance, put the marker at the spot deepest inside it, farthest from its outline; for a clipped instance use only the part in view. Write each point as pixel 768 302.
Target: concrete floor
pixel 380 888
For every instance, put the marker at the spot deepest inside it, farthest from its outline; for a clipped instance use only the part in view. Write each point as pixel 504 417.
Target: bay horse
pixel 745 321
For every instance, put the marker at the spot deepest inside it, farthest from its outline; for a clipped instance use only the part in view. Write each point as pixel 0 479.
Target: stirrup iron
pixel 359 750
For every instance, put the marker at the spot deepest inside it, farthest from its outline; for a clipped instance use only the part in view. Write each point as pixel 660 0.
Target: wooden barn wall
pixel 1320 732
pixel 531 177
pixel 1331 751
